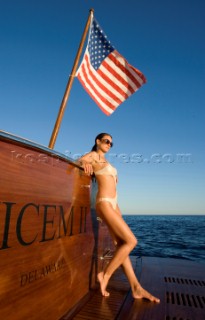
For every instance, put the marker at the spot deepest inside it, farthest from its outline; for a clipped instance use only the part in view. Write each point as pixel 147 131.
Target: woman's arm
pixel 86 162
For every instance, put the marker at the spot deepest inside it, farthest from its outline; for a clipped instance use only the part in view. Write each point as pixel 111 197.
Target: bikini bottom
pixel 113 201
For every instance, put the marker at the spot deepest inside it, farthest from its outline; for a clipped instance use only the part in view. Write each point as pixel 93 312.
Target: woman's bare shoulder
pixel 89 157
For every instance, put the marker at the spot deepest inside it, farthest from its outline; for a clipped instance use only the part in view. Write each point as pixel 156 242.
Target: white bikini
pixel 108 171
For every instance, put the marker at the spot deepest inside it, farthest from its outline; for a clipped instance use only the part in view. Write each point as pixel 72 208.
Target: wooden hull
pixel 51 244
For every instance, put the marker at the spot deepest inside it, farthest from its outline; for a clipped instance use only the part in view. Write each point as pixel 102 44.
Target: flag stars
pixel 99 46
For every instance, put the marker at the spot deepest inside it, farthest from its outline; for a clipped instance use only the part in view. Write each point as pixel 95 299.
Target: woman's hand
pixel 86 162
pixel 88 168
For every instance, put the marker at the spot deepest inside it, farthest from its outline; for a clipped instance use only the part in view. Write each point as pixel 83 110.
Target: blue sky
pixel 165 118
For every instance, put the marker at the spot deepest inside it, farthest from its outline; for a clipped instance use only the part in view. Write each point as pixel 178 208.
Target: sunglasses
pixel 107 141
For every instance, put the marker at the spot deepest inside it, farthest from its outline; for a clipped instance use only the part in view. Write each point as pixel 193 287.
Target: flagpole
pixel 69 84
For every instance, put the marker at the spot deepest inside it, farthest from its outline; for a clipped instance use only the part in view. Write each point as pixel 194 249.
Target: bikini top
pixel 107 171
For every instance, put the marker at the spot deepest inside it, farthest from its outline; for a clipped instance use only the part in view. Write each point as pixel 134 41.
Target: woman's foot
pixel 140 293
pixel 103 284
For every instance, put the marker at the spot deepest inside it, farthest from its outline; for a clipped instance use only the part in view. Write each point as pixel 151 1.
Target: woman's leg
pixel 137 291
pixel 121 231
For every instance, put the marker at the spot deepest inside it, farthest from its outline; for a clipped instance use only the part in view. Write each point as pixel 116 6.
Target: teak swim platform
pixel 52 247
pixel 178 284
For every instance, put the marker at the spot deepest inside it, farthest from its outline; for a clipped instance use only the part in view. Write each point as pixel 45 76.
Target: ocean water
pixel 176 236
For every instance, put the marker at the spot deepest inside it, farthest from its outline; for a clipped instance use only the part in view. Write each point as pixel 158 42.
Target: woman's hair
pixel 99 137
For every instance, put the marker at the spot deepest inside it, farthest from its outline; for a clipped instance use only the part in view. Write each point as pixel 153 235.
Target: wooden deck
pixel 179 284
pixel 101 308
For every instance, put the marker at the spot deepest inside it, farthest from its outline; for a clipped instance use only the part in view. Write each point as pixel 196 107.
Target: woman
pixel 107 209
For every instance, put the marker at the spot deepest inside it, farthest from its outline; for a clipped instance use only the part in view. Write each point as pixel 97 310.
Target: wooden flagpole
pixel 69 84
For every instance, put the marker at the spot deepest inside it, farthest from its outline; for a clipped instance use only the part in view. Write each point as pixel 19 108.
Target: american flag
pixel 107 77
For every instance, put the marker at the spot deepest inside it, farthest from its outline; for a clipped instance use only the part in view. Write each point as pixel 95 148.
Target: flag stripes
pixel 108 78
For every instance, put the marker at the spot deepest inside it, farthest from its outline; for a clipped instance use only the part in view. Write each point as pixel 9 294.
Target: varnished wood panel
pixel 48 234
